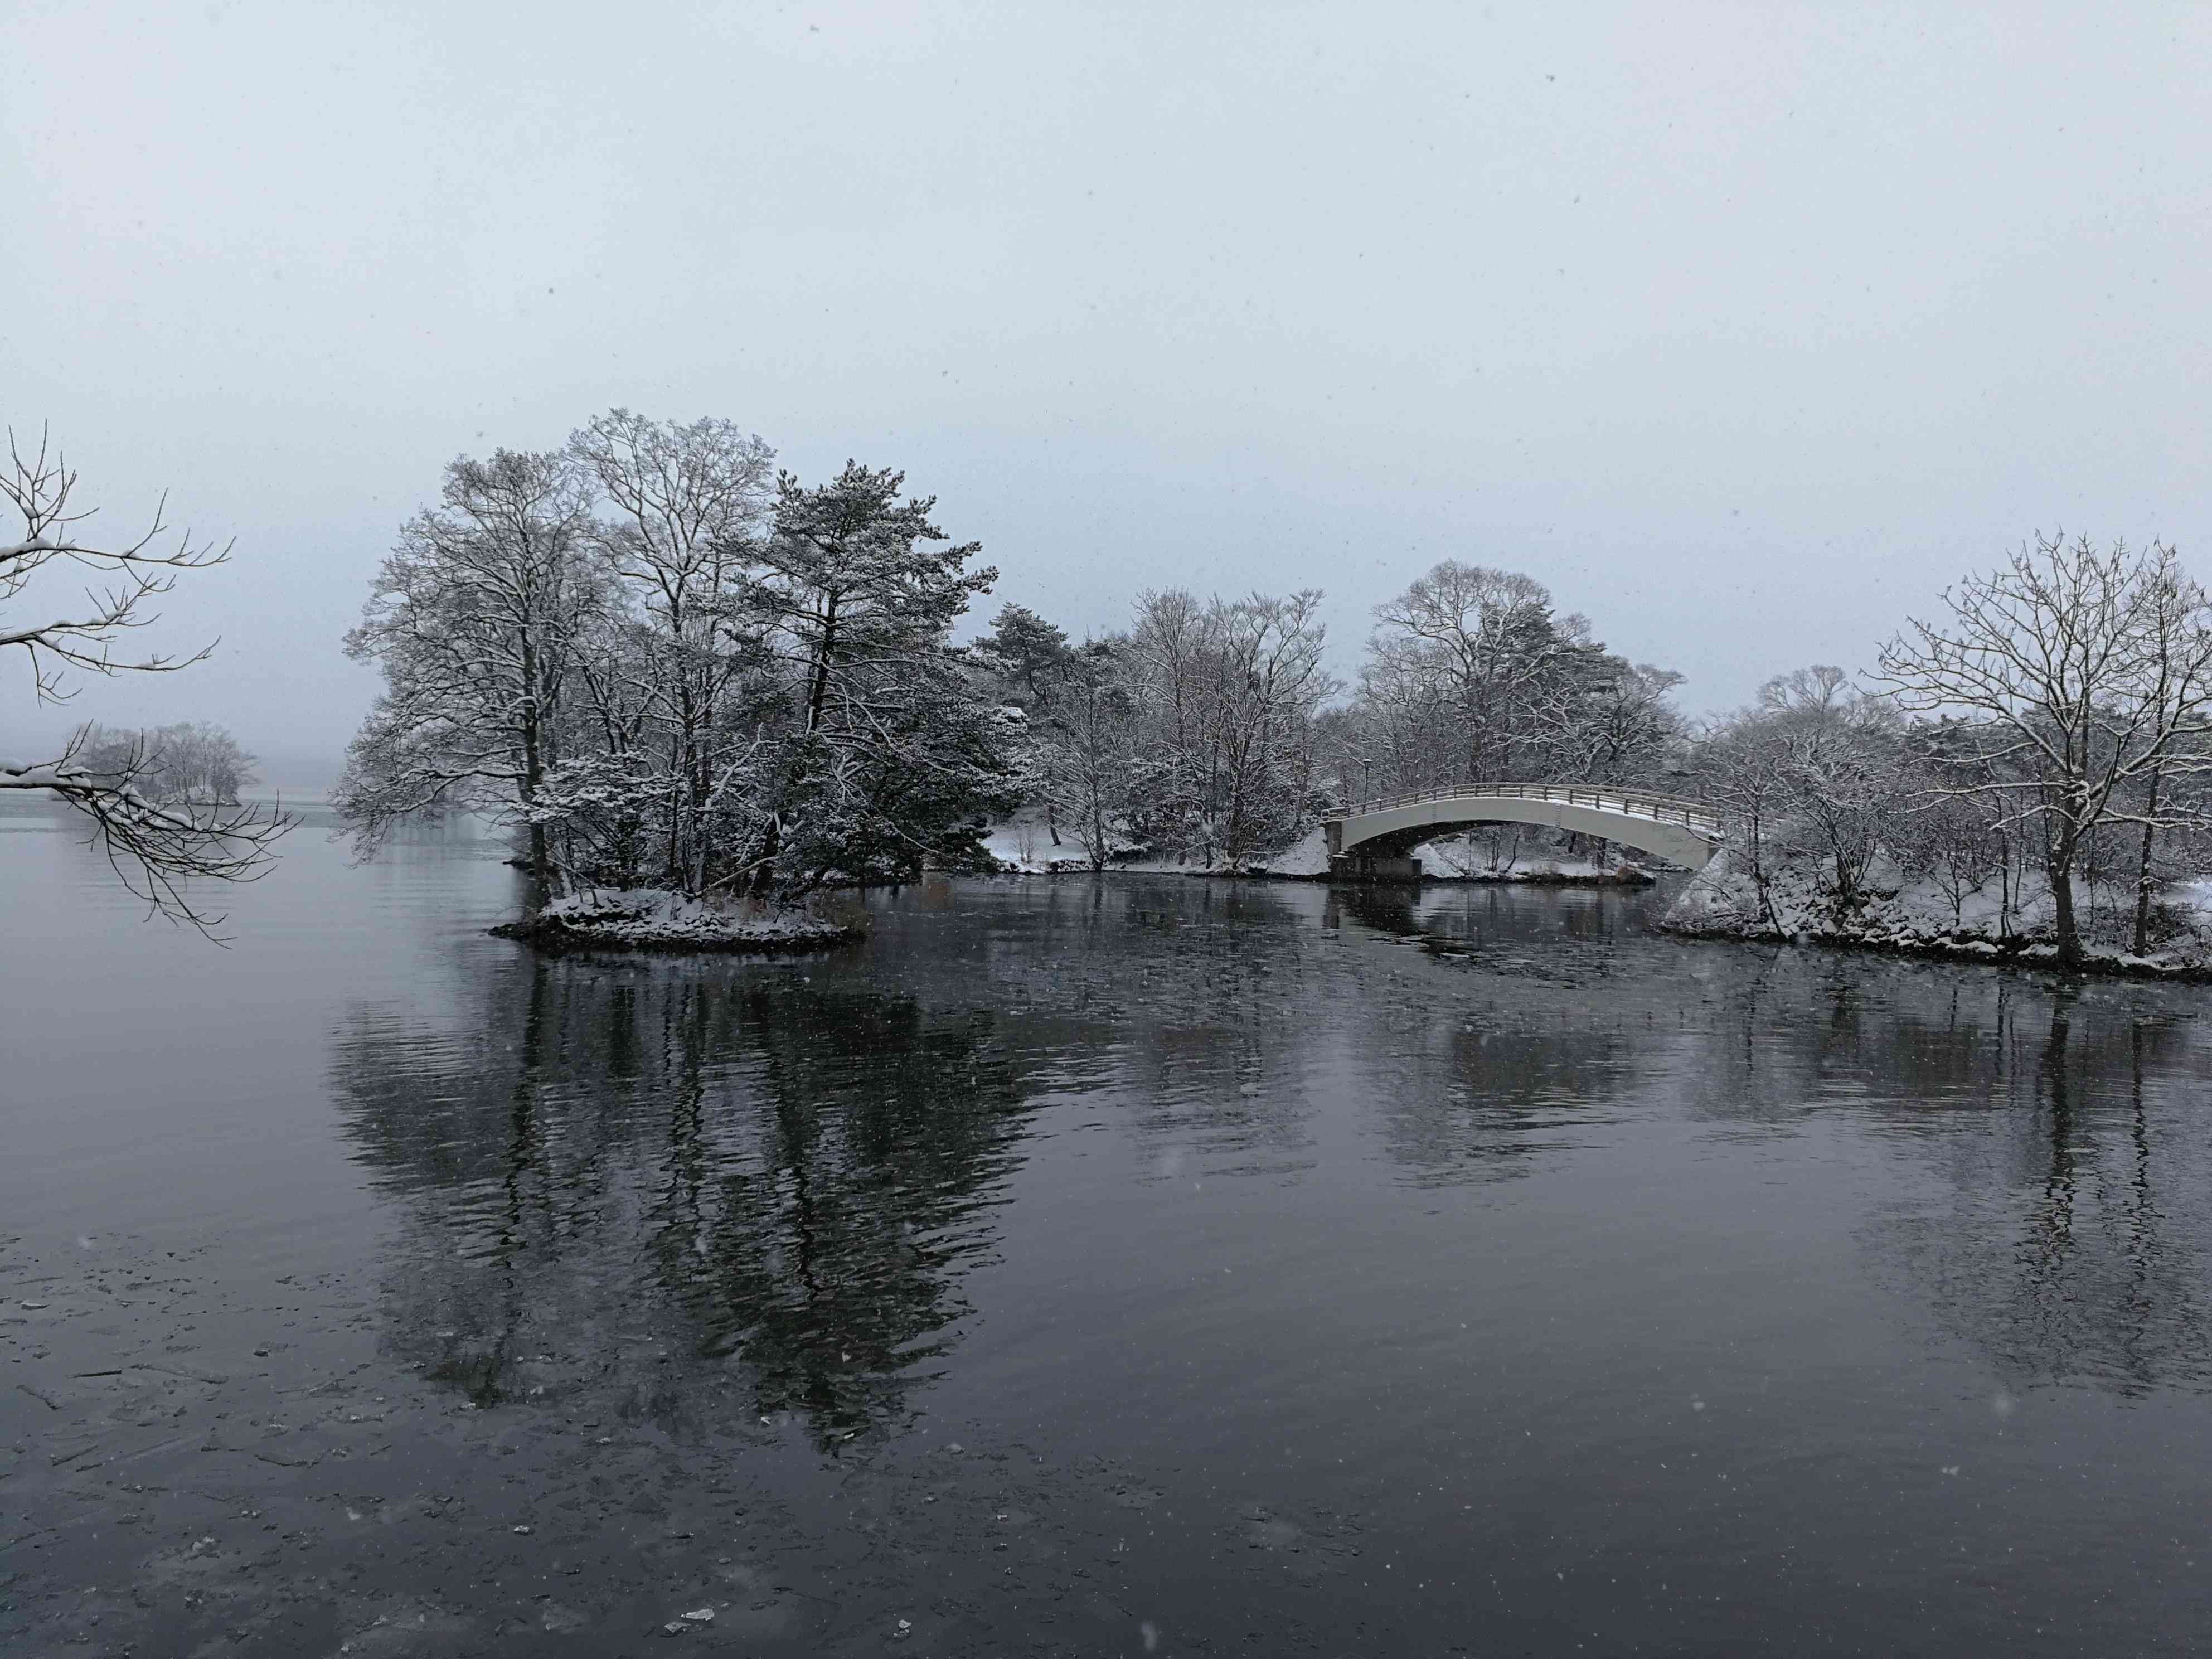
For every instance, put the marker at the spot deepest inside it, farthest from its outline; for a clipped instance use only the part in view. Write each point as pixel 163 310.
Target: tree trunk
pixel 1756 844
pixel 2062 901
pixel 1097 819
pixel 2004 883
pixel 669 864
pixel 764 869
pixel 817 691
pixel 2142 872
pixel 2089 873
pixel 533 774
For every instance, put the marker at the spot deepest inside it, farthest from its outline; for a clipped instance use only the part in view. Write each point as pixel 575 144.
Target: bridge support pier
pixel 1372 866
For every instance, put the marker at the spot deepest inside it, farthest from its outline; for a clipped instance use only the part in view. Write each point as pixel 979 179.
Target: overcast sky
pixel 1744 329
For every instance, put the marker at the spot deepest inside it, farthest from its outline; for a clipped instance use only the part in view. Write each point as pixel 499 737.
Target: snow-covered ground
pixel 647 919
pixel 1721 901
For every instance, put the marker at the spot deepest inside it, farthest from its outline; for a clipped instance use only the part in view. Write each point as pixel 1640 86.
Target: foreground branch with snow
pixel 132 790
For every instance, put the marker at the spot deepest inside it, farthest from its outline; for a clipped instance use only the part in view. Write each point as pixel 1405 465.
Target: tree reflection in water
pixel 693 1192
pixel 2075 1248
pixel 624 1179
pixel 2048 1135
pixel 2048 1146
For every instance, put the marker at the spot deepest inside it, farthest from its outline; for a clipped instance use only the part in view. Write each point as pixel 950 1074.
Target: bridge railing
pixel 1634 803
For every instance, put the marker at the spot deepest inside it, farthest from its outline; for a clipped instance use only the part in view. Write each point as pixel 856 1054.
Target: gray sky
pixel 1745 329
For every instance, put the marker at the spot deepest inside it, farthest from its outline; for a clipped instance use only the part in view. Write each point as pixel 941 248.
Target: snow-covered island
pixel 647 919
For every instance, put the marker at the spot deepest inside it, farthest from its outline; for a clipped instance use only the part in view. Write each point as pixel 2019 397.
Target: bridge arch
pixel 1375 840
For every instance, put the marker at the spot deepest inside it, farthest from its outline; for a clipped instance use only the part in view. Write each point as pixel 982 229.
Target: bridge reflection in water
pixel 1374 840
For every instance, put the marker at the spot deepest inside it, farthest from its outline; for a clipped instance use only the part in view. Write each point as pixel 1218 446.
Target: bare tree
pixel 473 620
pixel 1271 685
pixel 1477 651
pixel 157 850
pixel 2078 676
pixel 1743 768
pixel 189 762
pixel 1953 841
pixel 1168 652
pixel 1842 760
pixel 1612 722
pixel 690 503
pixel 1087 754
pixel 1225 694
pixel 2176 623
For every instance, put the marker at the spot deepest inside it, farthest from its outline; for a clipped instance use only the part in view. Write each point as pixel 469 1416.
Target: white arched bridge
pixel 1374 840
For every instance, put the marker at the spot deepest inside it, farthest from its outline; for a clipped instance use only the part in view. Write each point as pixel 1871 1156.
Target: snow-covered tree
pixel 1087 769
pixel 1025 652
pixel 1477 655
pixel 1953 842
pixel 2079 680
pixel 895 757
pixel 158 848
pixel 620 650
pixel 474 620
pixel 1844 763
pixel 1023 658
pixel 191 762
pixel 1473 676
pixel 1815 769
pixel 683 507
pixel 1272 683
pixel 1172 648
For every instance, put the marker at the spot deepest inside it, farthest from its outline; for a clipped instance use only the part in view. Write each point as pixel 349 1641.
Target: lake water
pixel 1144 1265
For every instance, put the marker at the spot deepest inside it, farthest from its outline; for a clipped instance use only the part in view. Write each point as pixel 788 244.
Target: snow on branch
pixel 41 485
pixel 159 841
pixel 157 849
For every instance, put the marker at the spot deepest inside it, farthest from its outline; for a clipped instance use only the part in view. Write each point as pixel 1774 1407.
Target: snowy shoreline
pixel 1966 951
pixel 1916 919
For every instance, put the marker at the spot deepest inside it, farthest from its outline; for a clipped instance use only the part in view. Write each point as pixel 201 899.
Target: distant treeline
pixel 672 663
pixel 189 762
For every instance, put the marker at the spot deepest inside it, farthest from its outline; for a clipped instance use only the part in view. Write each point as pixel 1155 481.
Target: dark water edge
pixel 2014 953
pixel 1085 1266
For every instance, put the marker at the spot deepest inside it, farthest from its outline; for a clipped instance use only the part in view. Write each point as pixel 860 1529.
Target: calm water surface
pixel 1144 1267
